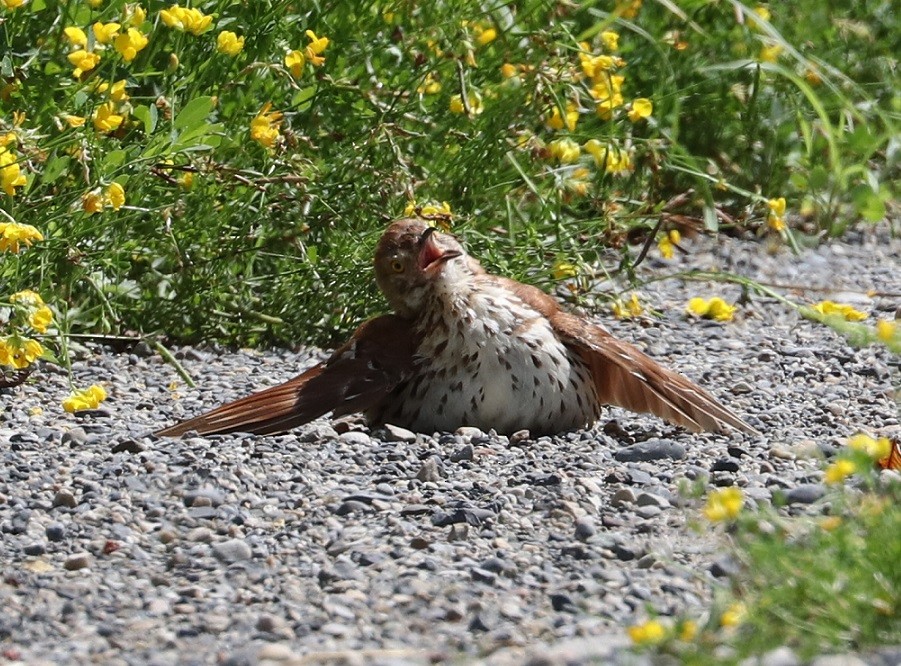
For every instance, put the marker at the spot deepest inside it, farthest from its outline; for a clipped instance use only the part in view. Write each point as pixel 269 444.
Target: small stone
pixel 55 531
pixel 622 497
pixel 200 535
pixel 807 493
pixel 648 512
pixel 34 549
pixel 466 453
pixel 483 576
pixel 355 438
pixel 231 551
pixel 520 437
pixel 781 656
pixel 742 388
pixel 725 465
pixel 128 446
pixel 724 567
pixel 429 470
pixel 650 450
pixel 64 498
pixel 397 434
pixel 77 561
pixel 650 499
pixel 562 602
pixel 646 562
pixel 472 434
pixel 585 528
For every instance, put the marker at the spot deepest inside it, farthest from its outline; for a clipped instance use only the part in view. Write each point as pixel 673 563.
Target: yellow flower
pixel 474 101
pixel 429 85
pixel 839 471
pixel 557 121
pixel 76 36
pixel 770 53
pixel 564 151
pixel 607 90
pixel 563 269
pixel 610 40
pixel 13 4
pixel 734 615
pixel 186 20
pixel 105 32
pixel 28 298
pixel 595 66
pixel 688 631
pixel 723 504
pixel 130 43
pixel 117 92
pixel 88 398
pixel 484 35
pixel 877 449
pixel 315 48
pixel 83 61
pixel 135 15
pixel 115 196
pixel 886 330
pixel 610 158
pixel 649 633
pixel 508 71
pixel 775 217
pixel 11 175
pixel 92 202
pixel 264 128
pixel 430 209
pixel 847 312
pixel 19 353
pixel 229 43
pixel 716 308
pixel 41 319
pixel 294 61
pixel 812 76
pixel 640 108
pixel 667 244
pixel 628 8
pixel 106 119
pixel 95 3
pixel 632 308
pixel 13 235
pixel 830 523
pixel 759 12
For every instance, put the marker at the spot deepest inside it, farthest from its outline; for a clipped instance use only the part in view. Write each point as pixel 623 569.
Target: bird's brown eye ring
pixel 397 266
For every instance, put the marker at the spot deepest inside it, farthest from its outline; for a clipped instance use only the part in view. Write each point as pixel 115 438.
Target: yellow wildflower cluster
pixel 13 4
pixel 843 310
pixel 11 175
pixel 32 308
pixel 127 43
pixel 17 352
pixel 723 504
pixel 88 398
pixel 14 235
pixel 565 151
pixel 877 449
pixel 608 157
pixel 668 242
pixel 631 308
pixel 558 121
pixel 186 19
pixel 96 200
pixel 563 269
pixel 734 615
pixel 887 331
pixel 312 53
pixel 839 471
pixel 264 128
pixel 439 213
pixel 715 308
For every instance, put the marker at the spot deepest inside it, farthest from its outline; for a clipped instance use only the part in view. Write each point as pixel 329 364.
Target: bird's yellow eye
pixel 397 266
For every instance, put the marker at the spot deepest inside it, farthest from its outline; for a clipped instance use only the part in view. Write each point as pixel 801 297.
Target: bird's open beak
pixel 431 255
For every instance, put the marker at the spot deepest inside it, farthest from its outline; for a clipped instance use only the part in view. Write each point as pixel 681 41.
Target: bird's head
pixel 412 259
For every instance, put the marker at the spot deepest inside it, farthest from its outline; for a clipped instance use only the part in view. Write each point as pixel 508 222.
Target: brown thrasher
pixel 466 348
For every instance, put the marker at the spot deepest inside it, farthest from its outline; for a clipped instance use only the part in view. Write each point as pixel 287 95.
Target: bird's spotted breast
pixel 489 360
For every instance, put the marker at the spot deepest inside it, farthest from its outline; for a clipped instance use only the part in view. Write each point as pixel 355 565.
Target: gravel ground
pixel 385 546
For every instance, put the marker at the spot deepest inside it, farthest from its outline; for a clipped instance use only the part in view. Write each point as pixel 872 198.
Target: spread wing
pixel 356 377
pixel 626 377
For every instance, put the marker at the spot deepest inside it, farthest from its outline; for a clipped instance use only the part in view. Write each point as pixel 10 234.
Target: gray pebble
pixel 231 551
pixel 77 561
pixel 805 494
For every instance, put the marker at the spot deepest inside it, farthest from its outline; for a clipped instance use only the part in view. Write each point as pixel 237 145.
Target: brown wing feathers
pixel 377 357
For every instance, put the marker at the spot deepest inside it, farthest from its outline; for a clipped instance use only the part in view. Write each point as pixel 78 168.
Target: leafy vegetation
pixel 221 171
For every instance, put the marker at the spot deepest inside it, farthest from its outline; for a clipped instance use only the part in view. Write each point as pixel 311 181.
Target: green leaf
pixel 147 115
pixel 194 113
pixel 819 178
pixel 868 203
pixel 114 159
pixel 55 166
